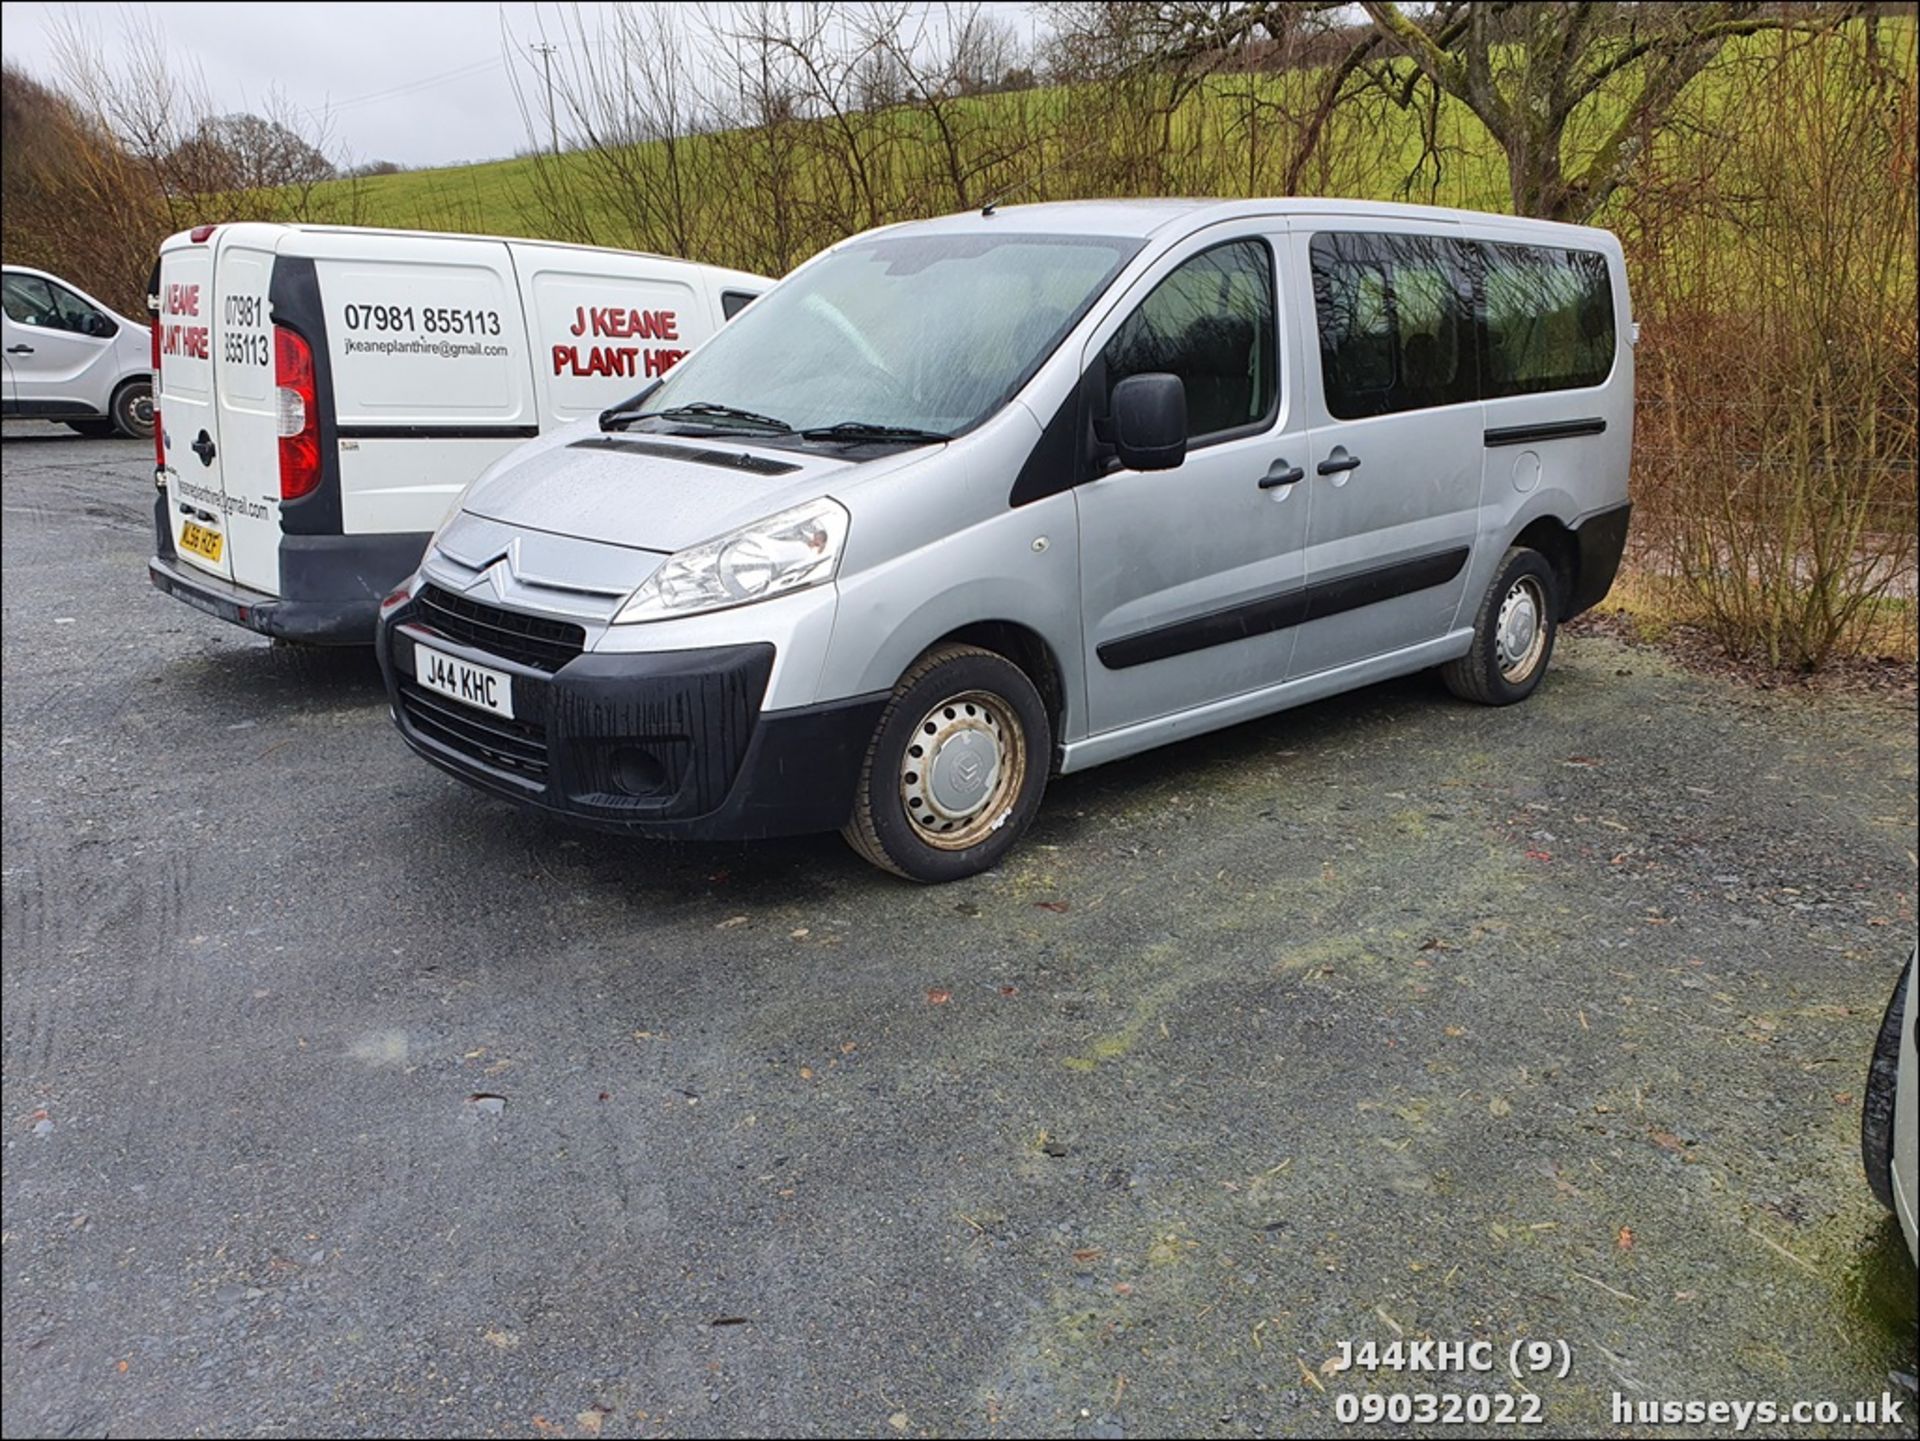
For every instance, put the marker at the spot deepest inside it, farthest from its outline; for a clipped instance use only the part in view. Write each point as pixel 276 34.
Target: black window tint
pixel 29 301
pixel 732 302
pixel 1210 322
pixel 1548 316
pixel 78 316
pixel 1396 322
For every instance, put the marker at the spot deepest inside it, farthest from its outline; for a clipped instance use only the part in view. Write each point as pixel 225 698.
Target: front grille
pixel 531 640
pixel 514 746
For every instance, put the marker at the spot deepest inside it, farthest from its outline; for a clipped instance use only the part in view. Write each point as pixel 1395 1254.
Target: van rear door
pixel 189 422
pixel 243 374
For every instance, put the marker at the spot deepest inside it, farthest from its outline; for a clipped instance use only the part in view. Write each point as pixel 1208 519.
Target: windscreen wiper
pixel 695 410
pixel 857 430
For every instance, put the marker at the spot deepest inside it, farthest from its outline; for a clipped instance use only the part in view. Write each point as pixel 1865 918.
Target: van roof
pixel 184 237
pixel 1144 218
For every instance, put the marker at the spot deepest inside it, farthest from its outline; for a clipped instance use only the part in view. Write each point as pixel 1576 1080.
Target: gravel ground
pixel 1389 1016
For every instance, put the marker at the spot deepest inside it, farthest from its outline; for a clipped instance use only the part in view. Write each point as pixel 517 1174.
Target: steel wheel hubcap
pixel 1521 636
pixel 962 769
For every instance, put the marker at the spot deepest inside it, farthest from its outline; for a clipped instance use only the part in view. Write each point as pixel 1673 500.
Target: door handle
pixel 1338 462
pixel 1280 473
pixel 19 350
pixel 203 447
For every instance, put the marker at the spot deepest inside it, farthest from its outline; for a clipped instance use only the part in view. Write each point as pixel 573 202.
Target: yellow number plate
pixel 201 541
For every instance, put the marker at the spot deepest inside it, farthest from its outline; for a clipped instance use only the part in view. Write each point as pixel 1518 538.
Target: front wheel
pixel 955 769
pixel 1513 633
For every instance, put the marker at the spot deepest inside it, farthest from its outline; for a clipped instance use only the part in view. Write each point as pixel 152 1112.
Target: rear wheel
pixel 1513 633
pixel 955 769
pixel 133 409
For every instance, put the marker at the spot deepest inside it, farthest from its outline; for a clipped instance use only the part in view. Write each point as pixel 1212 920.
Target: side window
pixel 1395 314
pixel 1210 322
pixel 78 316
pixel 29 301
pixel 1547 317
pixel 732 302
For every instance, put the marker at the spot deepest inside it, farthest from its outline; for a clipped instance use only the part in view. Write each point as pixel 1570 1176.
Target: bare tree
pixel 939 59
pixel 199 160
pixel 74 202
pixel 1533 75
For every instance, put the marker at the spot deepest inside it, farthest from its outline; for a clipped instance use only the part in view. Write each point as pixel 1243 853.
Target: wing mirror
pixel 1149 424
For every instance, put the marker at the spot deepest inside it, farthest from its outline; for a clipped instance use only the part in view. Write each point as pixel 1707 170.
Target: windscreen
pixel 928 332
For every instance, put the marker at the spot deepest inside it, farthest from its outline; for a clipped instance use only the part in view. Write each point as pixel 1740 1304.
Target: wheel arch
pixel 1026 648
pixel 1555 540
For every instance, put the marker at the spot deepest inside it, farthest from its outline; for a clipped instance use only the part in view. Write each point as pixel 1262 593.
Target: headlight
pixel 789 551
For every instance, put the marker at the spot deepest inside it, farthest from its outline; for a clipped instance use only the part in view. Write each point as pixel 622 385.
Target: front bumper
pixel 661 743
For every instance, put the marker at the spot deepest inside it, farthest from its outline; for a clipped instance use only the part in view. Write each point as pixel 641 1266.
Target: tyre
pixel 1877 1104
pixel 1513 633
pixel 133 409
pixel 93 429
pixel 955 769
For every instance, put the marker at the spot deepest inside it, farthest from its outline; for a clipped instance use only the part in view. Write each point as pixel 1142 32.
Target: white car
pixel 74 360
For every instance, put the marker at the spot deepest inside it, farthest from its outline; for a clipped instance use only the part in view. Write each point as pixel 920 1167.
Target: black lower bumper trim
pixel 669 743
pixel 1602 539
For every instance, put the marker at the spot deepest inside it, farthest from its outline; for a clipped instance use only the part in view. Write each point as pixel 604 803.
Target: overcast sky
pixel 419 84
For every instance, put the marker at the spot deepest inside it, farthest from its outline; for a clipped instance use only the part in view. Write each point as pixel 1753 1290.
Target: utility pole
pixel 545 52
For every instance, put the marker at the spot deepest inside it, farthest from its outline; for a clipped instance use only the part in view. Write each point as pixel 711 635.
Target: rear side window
pixel 1211 323
pixel 1548 317
pixel 1396 324
pixel 732 302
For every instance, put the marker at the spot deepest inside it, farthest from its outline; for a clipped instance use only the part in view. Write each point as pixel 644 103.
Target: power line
pixel 412 87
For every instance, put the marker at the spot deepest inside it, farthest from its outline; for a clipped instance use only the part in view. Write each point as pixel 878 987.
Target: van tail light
pixel 159 434
pixel 201 234
pixel 296 413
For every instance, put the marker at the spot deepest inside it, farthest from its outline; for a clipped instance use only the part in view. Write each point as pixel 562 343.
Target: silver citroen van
pixel 963 503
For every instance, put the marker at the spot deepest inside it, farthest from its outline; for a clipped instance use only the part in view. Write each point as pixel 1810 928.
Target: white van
pixel 325 393
pixel 72 359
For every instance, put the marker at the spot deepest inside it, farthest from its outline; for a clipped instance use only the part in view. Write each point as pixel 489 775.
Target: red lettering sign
pixel 620 360
pixel 192 341
pixel 620 323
